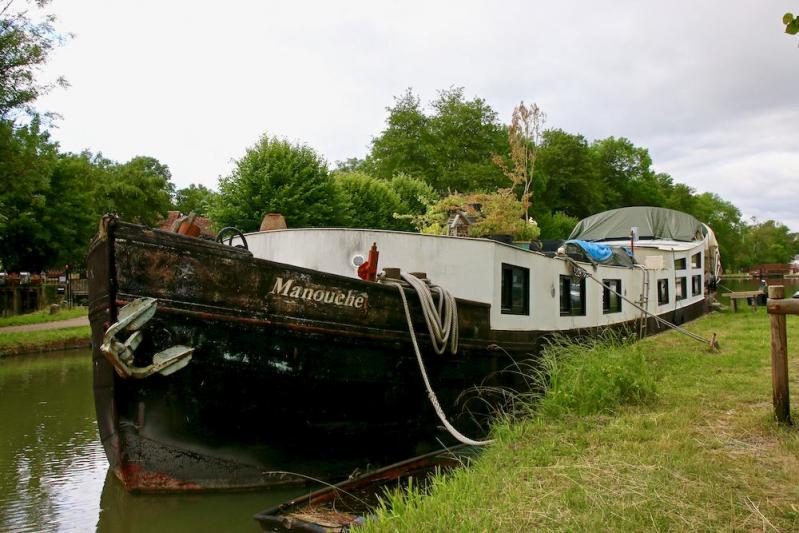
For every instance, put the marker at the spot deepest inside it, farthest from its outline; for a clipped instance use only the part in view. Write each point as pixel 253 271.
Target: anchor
pixel 132 318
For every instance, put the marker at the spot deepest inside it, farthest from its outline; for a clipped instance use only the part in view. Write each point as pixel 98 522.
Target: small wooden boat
pixel 339 507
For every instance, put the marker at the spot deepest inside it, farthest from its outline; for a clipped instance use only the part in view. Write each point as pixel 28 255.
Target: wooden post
pixel 779 359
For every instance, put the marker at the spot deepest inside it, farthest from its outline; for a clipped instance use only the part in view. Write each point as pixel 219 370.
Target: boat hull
pixel 295 373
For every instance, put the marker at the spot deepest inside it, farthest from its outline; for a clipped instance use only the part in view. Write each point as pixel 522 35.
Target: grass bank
pixel 44 340
pixel 657 435
pixel 39 317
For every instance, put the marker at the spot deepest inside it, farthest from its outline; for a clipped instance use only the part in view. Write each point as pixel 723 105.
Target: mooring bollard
pixel 778 307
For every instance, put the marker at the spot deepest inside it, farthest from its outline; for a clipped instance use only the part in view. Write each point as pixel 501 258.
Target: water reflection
pixel 54 474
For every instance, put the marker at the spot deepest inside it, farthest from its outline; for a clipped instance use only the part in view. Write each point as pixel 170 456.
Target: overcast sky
pixel 711 88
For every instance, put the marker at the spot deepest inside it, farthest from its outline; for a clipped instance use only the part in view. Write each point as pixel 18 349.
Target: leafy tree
pixel 566 179
pixel 415 194
pixel 25 45
pixel 451 148
pixel 767 242
pixel 493 214
pixel 71 214
pixel 372 202
pixel 277 176
pixel 27 159
pixel 525 135
pixel 406 143
pixel 138 191
pixel 351 164
pixel 625 171
pixel 194 198
pixel 557 225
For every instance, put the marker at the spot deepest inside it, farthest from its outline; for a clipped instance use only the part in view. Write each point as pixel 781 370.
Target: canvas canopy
pixel 652 223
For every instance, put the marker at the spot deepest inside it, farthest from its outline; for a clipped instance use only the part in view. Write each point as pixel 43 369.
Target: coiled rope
pixel 442 323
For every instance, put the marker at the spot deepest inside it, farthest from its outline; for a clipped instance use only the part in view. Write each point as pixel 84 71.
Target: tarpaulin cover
pixel 652 223
pixel 597 252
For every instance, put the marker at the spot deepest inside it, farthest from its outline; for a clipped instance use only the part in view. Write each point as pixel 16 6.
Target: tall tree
pixel 138 191
pixel 525 135
pixel 450 147
pixel 194 198
pixel 566 179
pixel 277 176
pixel 27 39
pixel 372 202
pixel 27 159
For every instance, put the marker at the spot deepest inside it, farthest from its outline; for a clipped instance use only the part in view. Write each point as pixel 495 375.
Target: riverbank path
pixel 58 324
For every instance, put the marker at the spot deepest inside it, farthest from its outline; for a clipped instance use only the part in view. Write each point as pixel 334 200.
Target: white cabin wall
pixel 463 267
pixel 472 269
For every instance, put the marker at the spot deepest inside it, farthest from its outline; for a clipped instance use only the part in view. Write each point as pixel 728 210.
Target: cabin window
pixel 679 264
pixel 696 285
pixel 696 260
pixel 663 291
pixel 572 296
pixel 681 288
pixel 611 301
pixel 515 290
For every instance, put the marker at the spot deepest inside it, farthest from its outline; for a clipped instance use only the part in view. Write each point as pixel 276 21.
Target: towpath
pixel 58 324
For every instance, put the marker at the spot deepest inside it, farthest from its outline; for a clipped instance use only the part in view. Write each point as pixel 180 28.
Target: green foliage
pixel 415 194
pixel 138 191
pixel 767 242
pixel 25 46
pixel 372 202
pixel 596 375
pixel 557 225
pixel 27 159
pixel 791 23
pixel 275 176
pixel 194 199
pixel 450 148
pixel 498 214
pixel 566 178
pixel 50 203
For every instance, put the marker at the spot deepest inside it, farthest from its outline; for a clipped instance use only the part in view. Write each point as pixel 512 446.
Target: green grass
pixel 657 435
pixel 38 317
pixel 34 341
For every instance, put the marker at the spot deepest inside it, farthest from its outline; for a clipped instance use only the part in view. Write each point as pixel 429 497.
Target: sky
pixel 711 88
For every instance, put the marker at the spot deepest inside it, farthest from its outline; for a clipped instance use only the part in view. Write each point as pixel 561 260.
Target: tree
pixel 372 202
pixel 450 148
pixel 767 242
pixel 625 171
pixel 415 194
pixel 566 178
pixel 138 191
pixel 277 176
pixel 524 137
pixel 194 198
pixel 27 159
pixel 25 46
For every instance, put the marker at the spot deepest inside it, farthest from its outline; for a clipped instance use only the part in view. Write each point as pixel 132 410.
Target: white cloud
pixel 709 88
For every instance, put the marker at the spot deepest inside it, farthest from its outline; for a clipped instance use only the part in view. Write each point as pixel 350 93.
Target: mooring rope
pixel 584 273
pixel 442 323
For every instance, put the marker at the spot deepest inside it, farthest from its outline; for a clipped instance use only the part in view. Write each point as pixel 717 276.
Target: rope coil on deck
pixel 442 324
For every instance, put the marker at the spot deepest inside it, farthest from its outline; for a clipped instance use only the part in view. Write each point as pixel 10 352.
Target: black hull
pixel 277 384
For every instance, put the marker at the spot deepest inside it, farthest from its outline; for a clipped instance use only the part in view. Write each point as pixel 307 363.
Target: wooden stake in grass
pixel 779 355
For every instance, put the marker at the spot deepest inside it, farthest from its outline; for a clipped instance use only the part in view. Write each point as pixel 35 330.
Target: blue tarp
pixel 597 252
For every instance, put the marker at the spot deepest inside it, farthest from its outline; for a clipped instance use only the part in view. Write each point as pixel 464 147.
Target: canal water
pixel 54 474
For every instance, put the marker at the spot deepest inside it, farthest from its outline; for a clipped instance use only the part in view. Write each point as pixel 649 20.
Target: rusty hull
pixel 278 382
